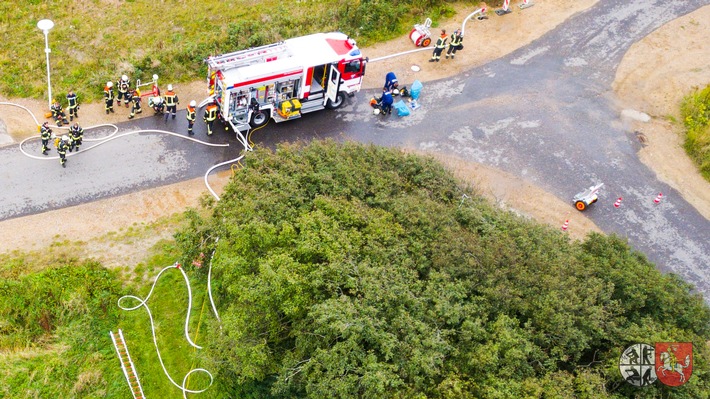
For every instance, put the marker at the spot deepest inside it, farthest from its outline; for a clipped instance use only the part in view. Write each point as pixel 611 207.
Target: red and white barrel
pixel 417 37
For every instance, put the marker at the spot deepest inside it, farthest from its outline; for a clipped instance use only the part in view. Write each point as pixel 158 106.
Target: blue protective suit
pixel 390 80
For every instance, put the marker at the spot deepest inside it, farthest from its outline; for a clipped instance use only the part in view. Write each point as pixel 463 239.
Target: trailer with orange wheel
pixel 587 197
pixel 421 35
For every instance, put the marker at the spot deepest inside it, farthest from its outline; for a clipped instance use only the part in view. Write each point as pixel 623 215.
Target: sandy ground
pixel 653 77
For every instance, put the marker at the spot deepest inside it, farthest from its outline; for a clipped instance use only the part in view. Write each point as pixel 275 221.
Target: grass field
pixel 58 312
pixel 695 111
pixel 94 41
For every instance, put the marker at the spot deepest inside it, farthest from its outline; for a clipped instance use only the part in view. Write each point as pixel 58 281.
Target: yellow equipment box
pixel 290 108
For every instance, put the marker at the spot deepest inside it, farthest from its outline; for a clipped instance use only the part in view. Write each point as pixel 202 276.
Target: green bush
pixel 347 271
pixel 695 111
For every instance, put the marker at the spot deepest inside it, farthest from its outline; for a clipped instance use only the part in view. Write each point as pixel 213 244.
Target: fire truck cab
pixel 285 80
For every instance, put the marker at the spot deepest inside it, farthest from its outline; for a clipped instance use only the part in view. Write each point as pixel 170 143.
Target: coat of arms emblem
pixel 674 362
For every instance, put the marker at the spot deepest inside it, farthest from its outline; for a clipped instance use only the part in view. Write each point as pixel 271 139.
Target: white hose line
pixel 209 284
pixel 400 54
pixel 23 107
pixel 215 167
pixel 112 137
pixel 142 303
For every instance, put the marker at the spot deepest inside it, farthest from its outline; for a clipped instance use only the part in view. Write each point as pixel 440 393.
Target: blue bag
pixel 401 107
pixel 416 89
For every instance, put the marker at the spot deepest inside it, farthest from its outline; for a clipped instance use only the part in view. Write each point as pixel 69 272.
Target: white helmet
pixel 109 84
pixel 376 111
pixel 155 77
pixel 65 138
pixel 124 77
pixel 395 92
pixel 170 87
pixel 193 103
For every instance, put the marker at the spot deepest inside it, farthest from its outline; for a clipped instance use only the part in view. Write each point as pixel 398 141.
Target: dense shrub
pixel 349 271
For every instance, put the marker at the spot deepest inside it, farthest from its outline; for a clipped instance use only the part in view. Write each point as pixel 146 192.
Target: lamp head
pixel 45 25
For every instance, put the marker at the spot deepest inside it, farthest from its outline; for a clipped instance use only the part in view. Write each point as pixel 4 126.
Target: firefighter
pixel 386 102
pixel 157 104
pixel 171 102
pixel 191 115
pixel 136 100
pixel 108 97
pixel 57 113
pixel 210 116
pixel 391 82
pixel 123 85
pixel 455 44
pixel 45 133
pixel 76 134
pixel 73 105
pixel 62 150
pixel 439 47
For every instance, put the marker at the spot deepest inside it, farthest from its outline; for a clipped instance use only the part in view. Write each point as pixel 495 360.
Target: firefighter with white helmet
pixel 157 103
pixel 191 115
pixel 123 90
pixel 108 96
pixel 171 102
pixel 62 150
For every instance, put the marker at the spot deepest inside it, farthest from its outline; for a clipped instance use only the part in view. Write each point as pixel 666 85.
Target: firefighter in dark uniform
pixel 123 85
pixel 191 115
pixel 73 105
pixel 454 44
pixel 45 133
pixel 57 113
pixel 108 97
pixel 171 102
pixel 62 150
pixel 76 135
pixel 210 116
pixel 136 100
pixel 439 47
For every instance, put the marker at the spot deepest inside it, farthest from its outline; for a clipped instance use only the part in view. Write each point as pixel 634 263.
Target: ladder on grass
pixel 129 369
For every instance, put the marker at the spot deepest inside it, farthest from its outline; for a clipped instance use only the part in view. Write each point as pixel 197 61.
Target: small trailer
pixel 421 35
pixel 587 197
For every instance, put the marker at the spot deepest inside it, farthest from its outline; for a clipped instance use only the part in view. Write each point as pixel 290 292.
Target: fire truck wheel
pixel 339 99
pixel 259 119
pixel 426 42
pixel 580 205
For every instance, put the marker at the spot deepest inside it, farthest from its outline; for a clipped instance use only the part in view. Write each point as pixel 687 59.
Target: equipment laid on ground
pixel 421 35
pixel 587 197
pixel 284 80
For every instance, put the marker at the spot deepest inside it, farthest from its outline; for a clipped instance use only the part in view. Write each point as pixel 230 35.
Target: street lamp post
pixel 45 25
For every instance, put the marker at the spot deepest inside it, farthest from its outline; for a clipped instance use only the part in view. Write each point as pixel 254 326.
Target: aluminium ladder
pixel 269 52
pixel 129 369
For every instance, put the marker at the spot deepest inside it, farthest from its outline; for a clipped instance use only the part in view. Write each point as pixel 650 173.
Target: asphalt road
pixel 545 113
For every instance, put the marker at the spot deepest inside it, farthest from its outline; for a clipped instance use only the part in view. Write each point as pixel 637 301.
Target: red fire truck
pixel 285 80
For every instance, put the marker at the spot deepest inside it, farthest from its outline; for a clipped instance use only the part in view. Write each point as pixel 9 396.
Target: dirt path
pixel 652 78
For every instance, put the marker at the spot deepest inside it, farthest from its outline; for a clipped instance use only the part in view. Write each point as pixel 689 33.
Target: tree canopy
pixel 351 271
